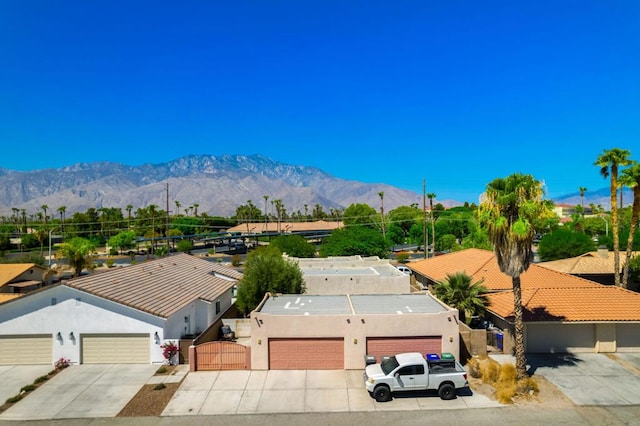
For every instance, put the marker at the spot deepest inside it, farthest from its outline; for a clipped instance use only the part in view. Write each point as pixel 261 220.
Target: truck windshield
pixel 389 364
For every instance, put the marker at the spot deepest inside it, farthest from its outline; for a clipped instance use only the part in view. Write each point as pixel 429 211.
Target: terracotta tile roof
pixel 589 263
pixel 482 265
pixel 257 227
pixel 600 303
pixel 9 271
pixel 160 287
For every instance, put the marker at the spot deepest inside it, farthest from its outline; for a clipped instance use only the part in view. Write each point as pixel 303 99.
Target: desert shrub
pixel 473 366
pixel 508 374
pixel 236 260
pixel 159 386
pixel 14 399
pixel 110 263
pixel 28 388
pixel 161 370
pixel 505 391
pixel 490 371
pixel 527 386
pixel 402 257
pixel 41 379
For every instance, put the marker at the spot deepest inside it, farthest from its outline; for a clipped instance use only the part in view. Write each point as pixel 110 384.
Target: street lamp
pixel 50 232
pixel 606 226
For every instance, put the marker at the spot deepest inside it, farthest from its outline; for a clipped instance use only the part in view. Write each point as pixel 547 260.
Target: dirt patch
pixel 548 394
pixel 151 400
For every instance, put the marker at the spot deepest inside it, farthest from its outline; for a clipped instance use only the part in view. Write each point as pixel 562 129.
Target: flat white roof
pixel 389 304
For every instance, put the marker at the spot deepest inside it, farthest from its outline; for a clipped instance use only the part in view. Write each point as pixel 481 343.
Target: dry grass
pixel 500 382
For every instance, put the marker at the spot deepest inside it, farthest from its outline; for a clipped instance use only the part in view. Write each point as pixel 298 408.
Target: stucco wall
pixel 353 328
pixel 88 315
pixel 354 284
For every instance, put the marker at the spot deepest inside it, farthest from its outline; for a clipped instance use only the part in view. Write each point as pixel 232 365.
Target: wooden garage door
pixel 31 349
pixel 116 349
pixel 628 337
pixel 306 354
pixel 381 346
pixel 560 338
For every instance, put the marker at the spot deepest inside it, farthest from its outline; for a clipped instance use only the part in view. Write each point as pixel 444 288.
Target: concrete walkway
pixel 81 391
pixel 14 377
pixel 295 391
pixel 588 378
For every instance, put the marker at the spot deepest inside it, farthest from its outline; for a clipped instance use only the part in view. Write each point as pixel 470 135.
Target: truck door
pixel 410 377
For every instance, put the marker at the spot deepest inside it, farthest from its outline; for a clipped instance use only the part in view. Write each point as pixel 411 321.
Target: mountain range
pixel 217 184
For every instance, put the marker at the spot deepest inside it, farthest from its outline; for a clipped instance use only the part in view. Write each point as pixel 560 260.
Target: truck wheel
pixel 382 394
pixel 447 391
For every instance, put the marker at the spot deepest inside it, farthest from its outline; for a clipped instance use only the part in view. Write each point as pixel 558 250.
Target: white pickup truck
pixel 413 372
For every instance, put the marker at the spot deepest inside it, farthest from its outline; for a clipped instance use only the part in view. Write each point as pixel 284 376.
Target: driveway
pixel 14 377
pixel 589 378
pixel 295 391
pixel 99 390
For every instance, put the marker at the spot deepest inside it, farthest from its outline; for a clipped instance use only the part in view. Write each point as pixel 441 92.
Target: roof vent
pixel 603 252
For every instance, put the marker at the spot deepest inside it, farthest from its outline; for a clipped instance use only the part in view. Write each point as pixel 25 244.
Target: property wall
pixel 77 312
pixel 474 341
pixel 605 337
pixel 353 328
pixel 357 284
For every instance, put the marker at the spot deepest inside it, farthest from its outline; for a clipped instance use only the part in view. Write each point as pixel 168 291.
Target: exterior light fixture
pixel 71 336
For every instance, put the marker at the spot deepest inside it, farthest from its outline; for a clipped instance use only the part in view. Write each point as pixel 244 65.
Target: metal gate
pixel 221 356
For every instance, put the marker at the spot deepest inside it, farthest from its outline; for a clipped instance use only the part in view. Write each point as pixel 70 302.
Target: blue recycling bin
pixel 499 338
pixel 433 357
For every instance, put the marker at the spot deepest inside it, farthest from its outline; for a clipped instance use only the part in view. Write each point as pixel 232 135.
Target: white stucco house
pixel 122 315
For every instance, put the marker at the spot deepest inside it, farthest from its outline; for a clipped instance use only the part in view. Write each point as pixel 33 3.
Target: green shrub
pixel 159 386
pixel 161 370
pixel 28 388
pixel 14 399
pixel 110 263
pixel 236 260
pixel 41 379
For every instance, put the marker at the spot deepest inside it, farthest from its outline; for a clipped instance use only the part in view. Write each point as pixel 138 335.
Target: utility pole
pixel 424 217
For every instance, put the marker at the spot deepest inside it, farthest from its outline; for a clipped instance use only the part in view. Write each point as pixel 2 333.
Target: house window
pixel 54 301
pixel 217 307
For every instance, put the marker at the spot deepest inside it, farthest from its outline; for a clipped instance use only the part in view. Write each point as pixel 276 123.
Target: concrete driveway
pixel 14 377
pixel 589 378
pixel 295 391
pixel 83 391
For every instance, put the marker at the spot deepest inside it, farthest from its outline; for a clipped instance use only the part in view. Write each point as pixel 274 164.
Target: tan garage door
pixel 32 349
pixel 560 338
pixel 381 346
pixel 628 337
pixel 306 354
pixel 116 349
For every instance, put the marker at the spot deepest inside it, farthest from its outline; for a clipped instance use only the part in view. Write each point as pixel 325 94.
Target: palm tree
pixel 152 212
pixel 44 208
pixel 457 291
pixel 195 209
pixel 381 195
pixel 79 252
pixel 609 162
pixel 510 208
pixel 178 204
pixel 62 210
pixel 582 190
pixel 631 177
pixel 128 208
pixel 431 196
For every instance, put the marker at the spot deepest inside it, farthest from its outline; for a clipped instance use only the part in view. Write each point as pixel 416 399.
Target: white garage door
pixel 31 349
pixel 560 338
pixel 628 337
pixel 116 349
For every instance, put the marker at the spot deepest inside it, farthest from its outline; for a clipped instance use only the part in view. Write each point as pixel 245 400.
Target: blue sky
pixel 453 92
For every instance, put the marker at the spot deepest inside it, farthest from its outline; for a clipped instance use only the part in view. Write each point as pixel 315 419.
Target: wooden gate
pixel 220 356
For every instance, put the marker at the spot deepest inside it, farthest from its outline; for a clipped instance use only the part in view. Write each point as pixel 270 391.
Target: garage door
pixel 33 349
pixel 116 349
pixel 381 346
pixel 560 338
pixel 306 354
pixel 628 337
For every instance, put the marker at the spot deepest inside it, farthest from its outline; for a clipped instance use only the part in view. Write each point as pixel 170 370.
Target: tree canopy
pixel 354 240
pixel 267 271
pixel 294 246
pixel 564 243
pixel 360 214
pixel 458 291
pixel 79 252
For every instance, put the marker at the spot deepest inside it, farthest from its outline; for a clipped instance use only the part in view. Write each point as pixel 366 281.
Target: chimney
pixel 603 252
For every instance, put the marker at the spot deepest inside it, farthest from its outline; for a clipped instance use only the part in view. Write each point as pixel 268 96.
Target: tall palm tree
pixel 510 207
pixel 44 208
pixel 457 290
pixel 381 195
pixel 178 204
pixel 128 208
pixel 62 210
pixel 631 177
pixel 582 190
pixel 152 212
pixel 609 162
pixel 195 209
pixel 431 196
pixel 79 252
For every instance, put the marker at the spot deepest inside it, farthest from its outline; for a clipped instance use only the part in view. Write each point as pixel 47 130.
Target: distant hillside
pixel 218 184
pixel 597 197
